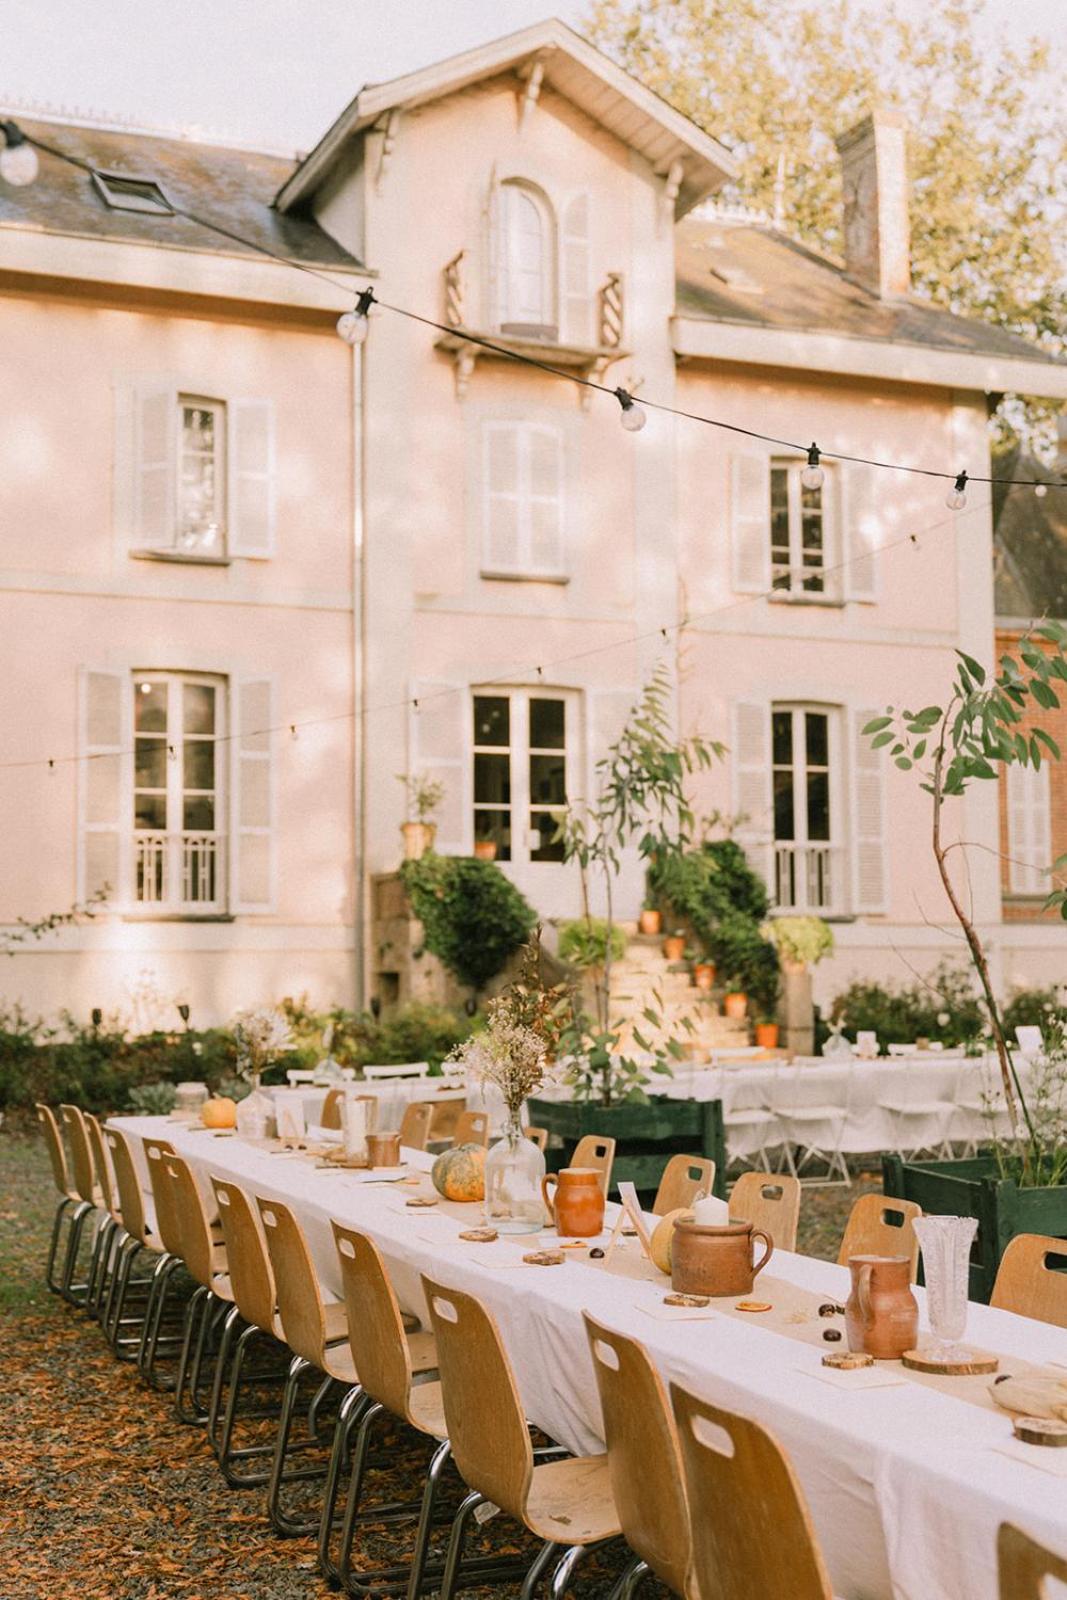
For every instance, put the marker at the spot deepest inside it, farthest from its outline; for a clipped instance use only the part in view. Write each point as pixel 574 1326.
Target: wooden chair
pixel 398 1069
pixel 771 1202
pixel 107 1238
pixel 1023 1565
pixel 415 1125
pixel 204 1258
pixel 684 1177
pixel 139 1238
pixel 165 1278
pixel 539 1137
pixel 880 1226
pixel 387 1357
pixel 331 1114
pixel 1027 1284
pixel 446 1113
pixel 643 1462
pixel 599 1154
pixel 752 1532
pixel 472 1127
pixel 70 1207
pixel 567 1503
pixel 91 1204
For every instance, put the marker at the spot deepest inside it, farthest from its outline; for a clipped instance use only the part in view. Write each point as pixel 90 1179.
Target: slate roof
pixel 231 187
pixel 1029 544
pixel 753 275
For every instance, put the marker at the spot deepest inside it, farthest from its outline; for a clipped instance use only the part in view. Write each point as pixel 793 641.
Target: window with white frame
pixel 201 519
pixel 802 559
pixel 522 743
pixel 526 262
pixel 522 500
pixel 178 830
pixel 1029 829
pixel 809 863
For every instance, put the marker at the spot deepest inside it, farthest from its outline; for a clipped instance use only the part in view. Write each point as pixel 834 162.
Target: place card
pixel 680 1313
pixel 1054 1462
pixel 858 1378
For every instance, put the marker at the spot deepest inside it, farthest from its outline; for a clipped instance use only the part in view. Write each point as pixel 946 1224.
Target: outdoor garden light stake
pixel 813 477
pixel 18 158
pixel 633 416
pixel 353 325
pixel 956 498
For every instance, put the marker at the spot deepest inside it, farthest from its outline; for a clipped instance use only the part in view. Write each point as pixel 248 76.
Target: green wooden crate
pixel 646 1136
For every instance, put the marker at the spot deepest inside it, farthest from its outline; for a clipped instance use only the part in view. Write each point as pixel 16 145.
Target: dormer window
pixel 527 265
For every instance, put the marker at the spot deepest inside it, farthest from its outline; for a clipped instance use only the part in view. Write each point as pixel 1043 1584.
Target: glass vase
pixel 946 1249
pixel 255 1113
pixel 514 1168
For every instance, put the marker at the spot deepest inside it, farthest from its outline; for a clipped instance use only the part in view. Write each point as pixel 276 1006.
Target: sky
pixel 275 73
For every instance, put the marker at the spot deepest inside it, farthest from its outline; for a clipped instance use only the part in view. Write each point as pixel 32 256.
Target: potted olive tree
pixel 424 796
pixel 1019 1185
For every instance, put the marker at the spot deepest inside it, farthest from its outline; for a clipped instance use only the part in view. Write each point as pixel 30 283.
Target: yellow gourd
pixel 459 1173
pixel 662 1235
pixel 219 1113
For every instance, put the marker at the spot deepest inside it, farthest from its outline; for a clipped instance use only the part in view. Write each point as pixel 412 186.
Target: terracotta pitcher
pixel 882 1315
pixel 716 1259
pixel 577 1208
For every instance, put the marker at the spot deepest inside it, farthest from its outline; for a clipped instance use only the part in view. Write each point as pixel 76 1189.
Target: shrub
pixel 944 1008
pixel 584 942
pixel 803 939
pixel 153 1099
pixel 715 893
pixel 1032 1008
pixel 473 917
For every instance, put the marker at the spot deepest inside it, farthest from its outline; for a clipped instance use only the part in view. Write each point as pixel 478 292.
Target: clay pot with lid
pixel 716 1259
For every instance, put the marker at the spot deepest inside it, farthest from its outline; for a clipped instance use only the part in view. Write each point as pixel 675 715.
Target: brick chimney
pixel 874 169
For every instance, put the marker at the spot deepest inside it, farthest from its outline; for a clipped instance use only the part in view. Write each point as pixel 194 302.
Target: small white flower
pixel 943 1019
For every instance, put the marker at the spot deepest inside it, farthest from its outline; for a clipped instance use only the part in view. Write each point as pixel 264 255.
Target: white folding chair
pixel 811 1124
pixel 749 1122
pixel 402 1069
pixel 920 1117
pixel 980 1113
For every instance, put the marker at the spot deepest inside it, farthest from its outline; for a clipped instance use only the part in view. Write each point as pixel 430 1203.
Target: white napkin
pixel 856 1377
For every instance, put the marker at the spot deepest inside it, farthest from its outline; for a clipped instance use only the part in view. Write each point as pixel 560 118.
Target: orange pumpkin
pixel 219 1113
pixel 663 1237
pixel 459 1173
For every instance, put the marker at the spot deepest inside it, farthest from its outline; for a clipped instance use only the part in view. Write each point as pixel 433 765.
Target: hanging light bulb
pixel 18 158
pixel 956 498
pixel 633 416
pixel 353 325
pixel 1040 490
pixel 813 477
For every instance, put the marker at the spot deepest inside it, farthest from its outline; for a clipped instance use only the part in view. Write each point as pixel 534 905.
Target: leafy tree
pixel 473 917
pixel 778 81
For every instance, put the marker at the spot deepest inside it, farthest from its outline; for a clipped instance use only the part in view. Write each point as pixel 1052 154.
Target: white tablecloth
pixel 907 1485
pixel 393 1095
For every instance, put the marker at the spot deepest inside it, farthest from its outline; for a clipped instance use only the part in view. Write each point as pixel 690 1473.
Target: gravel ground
pixel 105 1495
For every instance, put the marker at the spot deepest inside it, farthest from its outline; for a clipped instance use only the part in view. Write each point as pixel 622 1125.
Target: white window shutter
pixel 544 460
pixel 1029 829
pixel 104 805
pixel 155 468
pixel 440 736
pixel 750 767
pixel 251 509
pixel 252 795
pixel 867 823
pixel 859 523
pixel 750 522
pixel 502 492
pixel 574 272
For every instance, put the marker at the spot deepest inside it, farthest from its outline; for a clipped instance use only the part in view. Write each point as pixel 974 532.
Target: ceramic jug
pixel 716 1259
pixel 882 1315
pixel 577 1207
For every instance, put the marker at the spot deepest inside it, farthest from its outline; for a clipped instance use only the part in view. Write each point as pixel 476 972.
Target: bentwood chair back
pixel 770 1201
pixel 102 1165
pixel 332 1115
pixel 168 1222
pixel 472 1127
pixel 415 1125
pixel 251 1278
pixel 643 1457
pixel 1028 1284
pixel 880 1226
pixel 199 1252
pixel 539 1136
pixel 81 1155
pixel 1023 1565
pixel 57 1156
pixel 300 1304
pixel 752 1532
pixel 591 1151
pixel 131 1200
pixel 684 1177
pixel 383 1355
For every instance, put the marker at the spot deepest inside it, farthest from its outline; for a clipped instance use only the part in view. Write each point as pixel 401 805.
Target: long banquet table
pixel 907 1483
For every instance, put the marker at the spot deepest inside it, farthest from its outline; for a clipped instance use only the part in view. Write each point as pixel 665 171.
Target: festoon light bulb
pixel 353 325
pixel 813 477
pixel 956 498
pixel 633 416
pixel 18 158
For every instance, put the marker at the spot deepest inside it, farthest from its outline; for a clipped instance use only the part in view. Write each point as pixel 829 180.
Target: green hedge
pixel 473 917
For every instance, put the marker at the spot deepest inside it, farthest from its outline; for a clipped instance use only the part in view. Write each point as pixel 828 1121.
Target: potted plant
pixel 704 975
pixel 674 945
pixel 801 942
pixel 767 1033
pixel 735 1002
pixel 1020 1184
pixel 424 796
pixel 650 921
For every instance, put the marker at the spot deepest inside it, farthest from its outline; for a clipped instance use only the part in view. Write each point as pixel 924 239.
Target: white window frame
pixel 814 862
pixel 525 499
pixel 173 849
pixel 518 750
pixel 507 318
pixel 795 572
pixel 1029 805
pixel 222 414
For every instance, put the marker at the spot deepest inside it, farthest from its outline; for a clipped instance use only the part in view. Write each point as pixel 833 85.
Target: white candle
pixel 355 1126
pixel 710 1211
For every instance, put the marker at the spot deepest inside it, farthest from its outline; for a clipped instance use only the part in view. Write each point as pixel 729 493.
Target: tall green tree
pixel 777 80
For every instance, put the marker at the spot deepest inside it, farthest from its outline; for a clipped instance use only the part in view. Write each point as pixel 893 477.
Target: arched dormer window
pixel 526 265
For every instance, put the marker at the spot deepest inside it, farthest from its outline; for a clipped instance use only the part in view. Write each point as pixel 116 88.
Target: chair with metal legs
pixel 596 1153
pixel 204 1258
pixel 163 1329
pixel 565 1503
pixel 70 1204
pixel 644 1464
pixel 682 1179
pixel 111 1229
pixel 138 1240
pixel 1023 1565
pixel 771 1201
pixel 91 1209
pixel 881 1226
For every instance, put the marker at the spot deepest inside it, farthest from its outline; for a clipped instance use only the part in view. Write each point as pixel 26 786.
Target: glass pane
pixel 545 824
pixel 492 721
pixel 150 707
pixel 494 826
pixel 150 811
pixel 199 764
pixel 198 708
pixel 817 739
pixel 150 764
pixel 548 728
pixel 784 826
pixel 548 785
pixel 782 738
pixel 492 780
pixel 198 813
pixel 198 511
pixel 819 805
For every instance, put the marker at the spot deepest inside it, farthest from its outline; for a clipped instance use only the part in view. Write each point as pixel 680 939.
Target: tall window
pixel 526 262
pixel 1029 829
pixel 523 481
pixel 177 801
pixel 201 476
pixel 808 863
pixel 520 752
pixel 800 533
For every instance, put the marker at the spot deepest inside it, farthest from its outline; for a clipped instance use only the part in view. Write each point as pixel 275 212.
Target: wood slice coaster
pixel 847 1360
pixel 420 1201
pixel 975 1361
pixel 686 1299
pixel 544 1258
pixel 479 1235
pixel 1041 1430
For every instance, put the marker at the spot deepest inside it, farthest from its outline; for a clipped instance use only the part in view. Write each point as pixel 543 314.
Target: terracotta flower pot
pixel 704 975
pixel 485 849
pixel 735 1006
pixel 650 921
pixel 674 947
pixel 767 1035
pixel 418 838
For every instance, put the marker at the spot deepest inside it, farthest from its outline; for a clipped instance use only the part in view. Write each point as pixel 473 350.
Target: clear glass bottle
pixel 255 1113
pixel 514 1168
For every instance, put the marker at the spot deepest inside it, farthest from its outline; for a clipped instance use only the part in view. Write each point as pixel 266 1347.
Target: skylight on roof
pixel 124 193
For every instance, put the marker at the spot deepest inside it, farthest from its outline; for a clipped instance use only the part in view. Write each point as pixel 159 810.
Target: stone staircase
pixel 645 978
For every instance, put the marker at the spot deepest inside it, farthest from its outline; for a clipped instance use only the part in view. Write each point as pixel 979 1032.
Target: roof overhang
pixel 571 66
pixel 699 338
